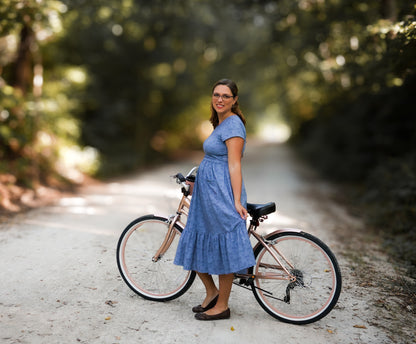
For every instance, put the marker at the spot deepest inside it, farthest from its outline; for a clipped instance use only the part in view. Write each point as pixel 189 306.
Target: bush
pixel 365 139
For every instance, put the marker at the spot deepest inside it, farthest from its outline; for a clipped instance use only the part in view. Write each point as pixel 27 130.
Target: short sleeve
pixel 233 127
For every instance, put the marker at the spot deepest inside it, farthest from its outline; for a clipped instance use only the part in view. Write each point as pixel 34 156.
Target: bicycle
pixel 296 278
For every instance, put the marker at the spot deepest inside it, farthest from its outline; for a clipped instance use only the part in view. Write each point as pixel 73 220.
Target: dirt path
pixel 60 283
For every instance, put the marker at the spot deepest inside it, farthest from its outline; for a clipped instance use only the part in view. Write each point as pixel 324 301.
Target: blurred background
pixel 104 87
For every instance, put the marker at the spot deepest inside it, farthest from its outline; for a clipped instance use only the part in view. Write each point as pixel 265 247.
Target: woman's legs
pixel 225 284
pixel 210 288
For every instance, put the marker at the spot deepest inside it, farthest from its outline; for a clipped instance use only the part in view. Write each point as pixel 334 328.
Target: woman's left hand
pixel 241 210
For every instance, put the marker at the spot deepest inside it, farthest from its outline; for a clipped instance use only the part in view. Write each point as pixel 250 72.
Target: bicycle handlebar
pixel 180 179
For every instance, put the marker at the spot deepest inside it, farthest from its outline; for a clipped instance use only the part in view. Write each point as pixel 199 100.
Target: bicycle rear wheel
pixel 317 286
pixel 157 281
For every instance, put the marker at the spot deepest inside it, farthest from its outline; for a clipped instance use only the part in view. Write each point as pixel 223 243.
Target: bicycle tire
pixel 318 284
pixel 156 281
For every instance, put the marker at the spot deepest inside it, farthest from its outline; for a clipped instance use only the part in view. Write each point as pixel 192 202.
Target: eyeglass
pixel 223 96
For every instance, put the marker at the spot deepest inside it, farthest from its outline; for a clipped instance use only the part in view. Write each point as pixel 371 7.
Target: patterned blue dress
pixel 215 238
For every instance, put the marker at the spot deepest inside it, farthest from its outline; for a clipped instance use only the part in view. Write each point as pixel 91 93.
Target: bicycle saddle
pixel 257 210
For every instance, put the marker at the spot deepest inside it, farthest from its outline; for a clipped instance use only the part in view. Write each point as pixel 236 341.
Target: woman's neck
pixel 223 116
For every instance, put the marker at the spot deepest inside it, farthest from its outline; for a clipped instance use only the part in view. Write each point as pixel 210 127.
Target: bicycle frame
pixel 295 277
pixel 274 252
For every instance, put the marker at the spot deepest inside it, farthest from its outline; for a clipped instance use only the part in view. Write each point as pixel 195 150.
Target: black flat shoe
pixel 200 309
pixel 203 316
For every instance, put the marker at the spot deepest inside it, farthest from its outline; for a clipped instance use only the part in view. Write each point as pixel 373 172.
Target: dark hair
pixel 235 108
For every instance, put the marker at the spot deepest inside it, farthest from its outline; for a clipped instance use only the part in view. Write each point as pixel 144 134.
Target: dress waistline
pixel 221 159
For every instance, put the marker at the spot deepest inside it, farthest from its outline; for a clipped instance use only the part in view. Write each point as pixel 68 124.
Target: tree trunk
pixel 389 10
pixel 23 69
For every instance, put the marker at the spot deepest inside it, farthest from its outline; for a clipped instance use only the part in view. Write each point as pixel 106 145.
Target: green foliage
pixel 164 57
pixel 132 78
pixel 16 136
pixel 37 96
pixel 363 130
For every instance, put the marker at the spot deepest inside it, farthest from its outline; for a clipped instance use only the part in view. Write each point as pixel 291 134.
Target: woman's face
pixel 222 99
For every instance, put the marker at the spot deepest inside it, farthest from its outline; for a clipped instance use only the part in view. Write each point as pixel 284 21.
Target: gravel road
pixel 60 283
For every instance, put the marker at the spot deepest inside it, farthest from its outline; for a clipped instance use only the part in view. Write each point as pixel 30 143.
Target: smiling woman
pixel 215 239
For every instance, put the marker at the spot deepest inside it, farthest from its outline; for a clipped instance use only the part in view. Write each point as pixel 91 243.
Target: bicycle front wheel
pixel 159 280
pixel 316 278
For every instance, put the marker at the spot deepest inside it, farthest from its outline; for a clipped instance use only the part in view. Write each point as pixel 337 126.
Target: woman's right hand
pixel 241 210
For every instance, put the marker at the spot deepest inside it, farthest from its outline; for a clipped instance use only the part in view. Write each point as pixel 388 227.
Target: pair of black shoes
pixel 200 315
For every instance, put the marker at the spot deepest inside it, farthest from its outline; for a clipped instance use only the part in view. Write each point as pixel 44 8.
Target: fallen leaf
pixel 360 326
pixel 108 318
pixel 330 331
pixel 232 328
pixel 110 303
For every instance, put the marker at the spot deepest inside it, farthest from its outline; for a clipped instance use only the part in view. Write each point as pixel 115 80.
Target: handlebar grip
pixel 180 177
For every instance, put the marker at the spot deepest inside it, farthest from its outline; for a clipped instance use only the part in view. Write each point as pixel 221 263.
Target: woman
pixel 215 240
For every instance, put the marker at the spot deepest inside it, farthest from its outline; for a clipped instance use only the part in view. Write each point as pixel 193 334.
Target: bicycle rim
pixel 157 281
pixel 318 282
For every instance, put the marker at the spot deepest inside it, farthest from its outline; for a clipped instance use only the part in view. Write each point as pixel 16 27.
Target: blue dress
pixel 215 238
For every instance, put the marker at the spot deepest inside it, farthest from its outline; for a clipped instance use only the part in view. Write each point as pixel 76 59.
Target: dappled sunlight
pixel 125 199
pixel 145 188
pixel 72 201
pixel 101 199
pixel 98 230
pixel 83 205
pixel 83 210
pixel 74 161
pixel 76 75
